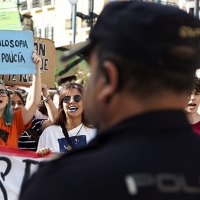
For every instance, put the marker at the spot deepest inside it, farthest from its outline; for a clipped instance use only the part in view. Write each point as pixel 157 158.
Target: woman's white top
pixel 54 138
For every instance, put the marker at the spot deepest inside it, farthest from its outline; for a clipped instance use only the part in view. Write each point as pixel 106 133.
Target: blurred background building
pixel 53 19
pixel 69 21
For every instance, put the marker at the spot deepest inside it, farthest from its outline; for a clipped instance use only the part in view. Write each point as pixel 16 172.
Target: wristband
pixel 47 99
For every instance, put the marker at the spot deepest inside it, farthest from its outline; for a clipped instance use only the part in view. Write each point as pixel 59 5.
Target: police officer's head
pixel 138 49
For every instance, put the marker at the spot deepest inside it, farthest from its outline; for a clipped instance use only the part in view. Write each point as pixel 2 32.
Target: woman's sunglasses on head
pixel 14 91
pixel 76 98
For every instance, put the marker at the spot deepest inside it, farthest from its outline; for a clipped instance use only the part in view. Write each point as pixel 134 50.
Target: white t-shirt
pixel 54 138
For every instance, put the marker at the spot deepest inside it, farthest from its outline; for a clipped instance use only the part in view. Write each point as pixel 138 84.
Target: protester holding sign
pixel 12 124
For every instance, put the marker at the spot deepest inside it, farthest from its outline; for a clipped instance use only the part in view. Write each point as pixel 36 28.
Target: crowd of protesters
pixel 53 128
pixel 59 117
pixel 139 116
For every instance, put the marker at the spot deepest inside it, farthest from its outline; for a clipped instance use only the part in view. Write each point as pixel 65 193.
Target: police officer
pixel 143 58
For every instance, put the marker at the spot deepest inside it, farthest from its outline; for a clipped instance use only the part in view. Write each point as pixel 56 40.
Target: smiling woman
pixel 71 129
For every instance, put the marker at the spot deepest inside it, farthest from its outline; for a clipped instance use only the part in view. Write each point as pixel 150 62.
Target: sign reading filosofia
pixel 16 49
pixel 46 50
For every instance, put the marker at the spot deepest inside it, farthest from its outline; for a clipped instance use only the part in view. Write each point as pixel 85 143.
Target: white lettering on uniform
pixel 187 31
pixel 131 185
pixel 163 182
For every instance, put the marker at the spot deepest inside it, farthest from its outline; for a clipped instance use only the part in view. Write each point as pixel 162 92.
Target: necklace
pixel 69 147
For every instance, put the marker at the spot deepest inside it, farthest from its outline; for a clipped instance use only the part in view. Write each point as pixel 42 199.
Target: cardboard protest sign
pixel 9 16
pixel 46 51
pixel 16 49
pixel 15 168
pixel 21 79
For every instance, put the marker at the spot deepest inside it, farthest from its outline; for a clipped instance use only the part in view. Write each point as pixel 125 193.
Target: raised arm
pixel 51 108
pixel 35 96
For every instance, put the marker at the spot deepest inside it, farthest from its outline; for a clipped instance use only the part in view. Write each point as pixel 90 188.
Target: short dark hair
pixel 197 84
pixel 61 117
pixel 143 80
pixel 66 79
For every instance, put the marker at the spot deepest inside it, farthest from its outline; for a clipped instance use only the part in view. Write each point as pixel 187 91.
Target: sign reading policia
pixel 16 49
pixel 11 63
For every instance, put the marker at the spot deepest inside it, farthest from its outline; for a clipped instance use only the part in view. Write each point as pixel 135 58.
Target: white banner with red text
pixel 16 167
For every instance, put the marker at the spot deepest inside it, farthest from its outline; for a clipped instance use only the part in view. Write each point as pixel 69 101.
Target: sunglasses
pixel 77 98
pixel 3 93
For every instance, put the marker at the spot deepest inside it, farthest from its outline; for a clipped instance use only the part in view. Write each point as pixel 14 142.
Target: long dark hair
pixel 42 107
pixel 61 117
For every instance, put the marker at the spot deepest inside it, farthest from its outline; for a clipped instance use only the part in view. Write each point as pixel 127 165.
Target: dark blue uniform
pixel 153 156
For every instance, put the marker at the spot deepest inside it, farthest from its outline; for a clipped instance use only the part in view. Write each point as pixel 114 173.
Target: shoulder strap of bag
pixel 66 134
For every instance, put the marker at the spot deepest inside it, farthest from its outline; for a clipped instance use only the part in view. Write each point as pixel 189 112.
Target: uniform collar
pixel 148 123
